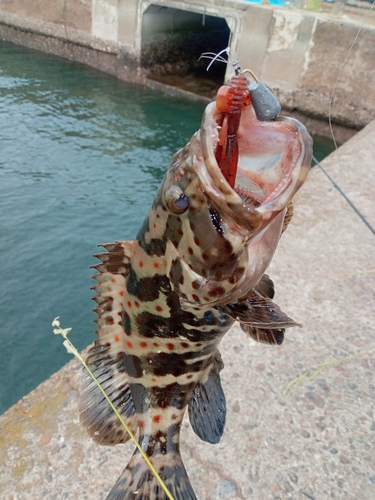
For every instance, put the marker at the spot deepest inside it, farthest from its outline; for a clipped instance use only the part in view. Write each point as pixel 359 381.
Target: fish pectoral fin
pixel 139 483
pixel 96 414
pixel 265 335
pixel 258 312
pixel 207 408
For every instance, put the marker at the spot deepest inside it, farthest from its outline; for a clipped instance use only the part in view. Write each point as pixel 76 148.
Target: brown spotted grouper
pixel 165 300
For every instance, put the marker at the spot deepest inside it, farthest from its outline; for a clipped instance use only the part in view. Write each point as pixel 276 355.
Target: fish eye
pixel 177 201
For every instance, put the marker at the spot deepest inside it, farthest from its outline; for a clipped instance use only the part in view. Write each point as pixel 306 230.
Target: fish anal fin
pixel 264 335
pixel 96 414
pixel 207 408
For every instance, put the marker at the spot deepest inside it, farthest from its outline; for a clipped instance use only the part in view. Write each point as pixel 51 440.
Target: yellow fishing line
pixel 71 349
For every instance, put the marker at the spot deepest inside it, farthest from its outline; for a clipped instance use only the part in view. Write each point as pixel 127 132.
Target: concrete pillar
pixel 288 47
pixel 252 49
pixel 105 19
pixel 129 22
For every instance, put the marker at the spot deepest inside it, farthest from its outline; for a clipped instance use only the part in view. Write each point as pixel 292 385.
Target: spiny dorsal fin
pixel 207 408
pixel 117 258
pixel 105 358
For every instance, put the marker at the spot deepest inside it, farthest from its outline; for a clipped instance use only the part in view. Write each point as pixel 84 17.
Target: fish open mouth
pixel 273 161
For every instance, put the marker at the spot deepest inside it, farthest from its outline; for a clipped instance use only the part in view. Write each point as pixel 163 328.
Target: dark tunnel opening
pixel 172 42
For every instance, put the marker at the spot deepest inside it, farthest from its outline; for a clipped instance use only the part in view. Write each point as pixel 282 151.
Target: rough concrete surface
pixel 315 442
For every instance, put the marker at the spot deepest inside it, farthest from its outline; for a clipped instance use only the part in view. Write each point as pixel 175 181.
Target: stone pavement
pixel 315 442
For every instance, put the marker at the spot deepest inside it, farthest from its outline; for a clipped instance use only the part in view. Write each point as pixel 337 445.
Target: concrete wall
pixel 73 13
pixel 300 55
pixel 297 53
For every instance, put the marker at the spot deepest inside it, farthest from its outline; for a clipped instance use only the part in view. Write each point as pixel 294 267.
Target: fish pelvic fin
pixel 137 482
pixel 207 408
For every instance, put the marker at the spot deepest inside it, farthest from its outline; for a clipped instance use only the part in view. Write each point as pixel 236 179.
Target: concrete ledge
pixel 315 442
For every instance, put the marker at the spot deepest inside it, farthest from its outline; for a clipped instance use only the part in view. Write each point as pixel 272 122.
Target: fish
pixel 197 265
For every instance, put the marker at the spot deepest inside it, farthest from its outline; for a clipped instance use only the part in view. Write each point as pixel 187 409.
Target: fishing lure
pixel 230 101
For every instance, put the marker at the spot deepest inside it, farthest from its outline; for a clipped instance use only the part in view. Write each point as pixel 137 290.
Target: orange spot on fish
pixel 136 304
pixel 142 424
pixel 129 344
pixel 156 265
pixel 189 376
pixel 129 303
pixel 121 292
pixel 113 280
pixel 154 226
pixel 156 418
pixel 117 338
pixel 156 344
pixel 170 347
pixel 143 344
pixel 159 308
pixel 184 344
pixel 141 263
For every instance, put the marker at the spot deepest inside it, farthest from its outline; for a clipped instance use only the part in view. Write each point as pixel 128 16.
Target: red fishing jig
pixel 230 101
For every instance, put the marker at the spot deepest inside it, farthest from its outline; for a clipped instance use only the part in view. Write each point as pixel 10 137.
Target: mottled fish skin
pixel 166 299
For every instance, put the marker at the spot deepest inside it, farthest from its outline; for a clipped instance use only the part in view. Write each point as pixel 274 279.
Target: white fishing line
pixel 335 86
pixel 342 69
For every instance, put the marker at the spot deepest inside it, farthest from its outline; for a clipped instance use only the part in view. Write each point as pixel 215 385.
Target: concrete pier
pixel 314 442
pixel 299 54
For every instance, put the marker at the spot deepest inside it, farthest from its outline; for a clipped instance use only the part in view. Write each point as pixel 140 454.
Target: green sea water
pixel 81 156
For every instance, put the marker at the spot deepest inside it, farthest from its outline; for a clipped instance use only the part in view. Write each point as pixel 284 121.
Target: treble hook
pixel 218 57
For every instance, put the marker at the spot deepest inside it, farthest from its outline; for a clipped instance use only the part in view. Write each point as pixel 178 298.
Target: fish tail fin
pixel 137 482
